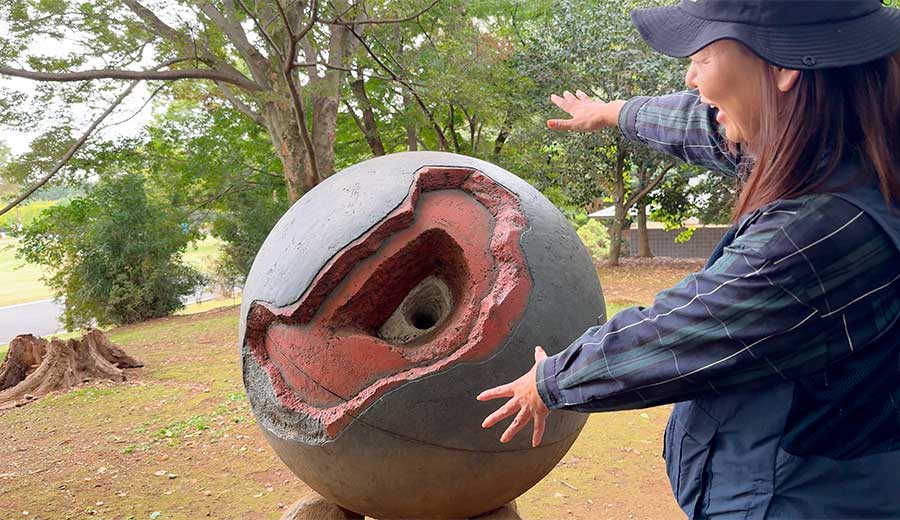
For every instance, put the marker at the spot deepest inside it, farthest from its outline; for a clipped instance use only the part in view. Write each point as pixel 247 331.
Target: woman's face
pixel 729 77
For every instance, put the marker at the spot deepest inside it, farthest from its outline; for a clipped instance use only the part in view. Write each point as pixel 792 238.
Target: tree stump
pixel 36 367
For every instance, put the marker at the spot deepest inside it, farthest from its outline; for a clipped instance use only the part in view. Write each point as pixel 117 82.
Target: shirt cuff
pixel 629 115
pixel 547 386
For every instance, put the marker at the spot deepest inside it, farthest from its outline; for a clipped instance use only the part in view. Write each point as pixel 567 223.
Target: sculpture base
pixel 316 507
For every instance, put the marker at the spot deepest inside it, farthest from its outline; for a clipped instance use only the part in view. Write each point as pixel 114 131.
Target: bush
pixel 243 226
pixel 596 239
pixel 114 256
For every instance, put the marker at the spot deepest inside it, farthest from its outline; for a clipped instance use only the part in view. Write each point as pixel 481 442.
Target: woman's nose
pixel 690 77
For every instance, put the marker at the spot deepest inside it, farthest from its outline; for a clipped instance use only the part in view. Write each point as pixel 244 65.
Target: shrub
pixel 243 226
pixel 114 255
pixel 596 238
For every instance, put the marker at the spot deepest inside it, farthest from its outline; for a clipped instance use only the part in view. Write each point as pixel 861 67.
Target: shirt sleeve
pixel 680 125
pixel 795 291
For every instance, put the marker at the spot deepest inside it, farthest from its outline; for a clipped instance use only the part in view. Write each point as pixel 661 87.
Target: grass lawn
pixel 20 282
pixel 177 440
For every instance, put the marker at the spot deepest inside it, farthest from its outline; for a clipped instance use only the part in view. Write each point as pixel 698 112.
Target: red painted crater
pixel 323 354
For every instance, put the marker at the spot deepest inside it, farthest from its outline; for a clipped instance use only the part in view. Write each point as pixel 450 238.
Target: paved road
pixel 38 318
pixel 42 318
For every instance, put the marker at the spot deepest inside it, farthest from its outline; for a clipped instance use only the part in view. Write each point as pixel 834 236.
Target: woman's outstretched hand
pixel 587 114
pixel 525 403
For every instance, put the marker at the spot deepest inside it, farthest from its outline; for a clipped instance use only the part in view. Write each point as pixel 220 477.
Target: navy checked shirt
pixel 804 285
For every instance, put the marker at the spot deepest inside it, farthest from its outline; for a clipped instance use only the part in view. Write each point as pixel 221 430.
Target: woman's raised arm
pixel 677 124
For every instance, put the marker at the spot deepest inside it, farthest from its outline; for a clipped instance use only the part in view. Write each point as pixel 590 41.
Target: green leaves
pixel 114 256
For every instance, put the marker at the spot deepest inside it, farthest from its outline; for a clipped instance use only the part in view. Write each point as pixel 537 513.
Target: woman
pixel 783 353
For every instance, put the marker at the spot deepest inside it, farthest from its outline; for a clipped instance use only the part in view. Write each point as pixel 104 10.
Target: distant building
pixel 662 242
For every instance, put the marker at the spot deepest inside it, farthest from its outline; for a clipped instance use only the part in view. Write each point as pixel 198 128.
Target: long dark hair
pixel 804 134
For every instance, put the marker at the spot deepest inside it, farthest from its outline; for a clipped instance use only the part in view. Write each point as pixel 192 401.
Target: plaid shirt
pixel 806 288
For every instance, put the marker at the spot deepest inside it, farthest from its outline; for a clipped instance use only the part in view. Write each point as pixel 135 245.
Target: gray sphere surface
pixel 382 303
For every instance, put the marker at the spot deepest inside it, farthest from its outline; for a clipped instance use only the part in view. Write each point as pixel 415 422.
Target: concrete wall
pixel 662 242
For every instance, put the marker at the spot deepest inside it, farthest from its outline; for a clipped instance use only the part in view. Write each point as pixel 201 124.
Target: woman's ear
pixel 785 79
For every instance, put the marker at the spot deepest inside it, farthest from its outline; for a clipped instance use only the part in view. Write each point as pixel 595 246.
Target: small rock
pixel 172 476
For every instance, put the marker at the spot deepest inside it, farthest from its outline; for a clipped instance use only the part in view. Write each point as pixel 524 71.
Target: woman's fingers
pixel 496 393
pixel 581 95
pixel 539 422
pixel 511 407
pixel 522 418
pixel 561 102
pixel 561 124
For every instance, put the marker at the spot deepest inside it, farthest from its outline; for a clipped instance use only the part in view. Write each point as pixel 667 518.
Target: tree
pixel 592 45
pixel 214 165
pixel 123 264
pixel 446 83
pixel 281 64
pixel 694 193
pixel 7 189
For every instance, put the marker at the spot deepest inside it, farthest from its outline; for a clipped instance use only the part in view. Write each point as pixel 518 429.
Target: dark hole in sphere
pixel 423 320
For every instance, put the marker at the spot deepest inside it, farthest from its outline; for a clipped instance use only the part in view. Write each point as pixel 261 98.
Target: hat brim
pixel 674 32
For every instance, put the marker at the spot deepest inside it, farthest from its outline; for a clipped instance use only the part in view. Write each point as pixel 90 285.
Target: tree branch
pixel 153 74
pixel 261 29
pixel 377 21
pixel 239 105
pixel 442 140
pixel 652 185
pixel 160 28
pixel 72 149
pixel 235 33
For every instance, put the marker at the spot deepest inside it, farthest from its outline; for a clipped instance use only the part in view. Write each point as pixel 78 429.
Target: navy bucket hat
pixel 795 34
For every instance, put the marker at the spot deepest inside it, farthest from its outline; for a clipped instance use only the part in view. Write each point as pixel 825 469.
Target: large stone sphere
pixel 382 303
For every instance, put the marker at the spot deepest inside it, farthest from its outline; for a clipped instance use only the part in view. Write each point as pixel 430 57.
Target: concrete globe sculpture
pixel 382 303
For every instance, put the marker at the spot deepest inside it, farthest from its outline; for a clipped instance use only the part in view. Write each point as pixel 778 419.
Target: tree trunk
pixel 370 126
pixel 451 127
pixel 327 94
pixel 502 136
pixel 409 125
pixel 615 235
pixel 643 236
pixel 412 138
pixel 36 367
pixel 281 124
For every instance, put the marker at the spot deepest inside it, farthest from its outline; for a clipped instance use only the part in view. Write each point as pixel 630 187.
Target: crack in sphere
pixel 382 303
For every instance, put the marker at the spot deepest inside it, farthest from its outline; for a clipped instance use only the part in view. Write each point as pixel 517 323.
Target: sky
pixel 18 139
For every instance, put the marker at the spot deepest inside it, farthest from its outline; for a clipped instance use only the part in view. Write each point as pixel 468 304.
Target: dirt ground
pixel 637 280
pixel 178 440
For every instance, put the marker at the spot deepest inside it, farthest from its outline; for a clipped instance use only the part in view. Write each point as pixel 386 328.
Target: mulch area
pixel 637 280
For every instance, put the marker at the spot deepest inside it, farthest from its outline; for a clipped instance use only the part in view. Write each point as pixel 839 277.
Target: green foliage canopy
pixel 114 255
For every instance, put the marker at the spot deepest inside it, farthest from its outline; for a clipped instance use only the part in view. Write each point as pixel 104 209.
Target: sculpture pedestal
pixel 316 507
